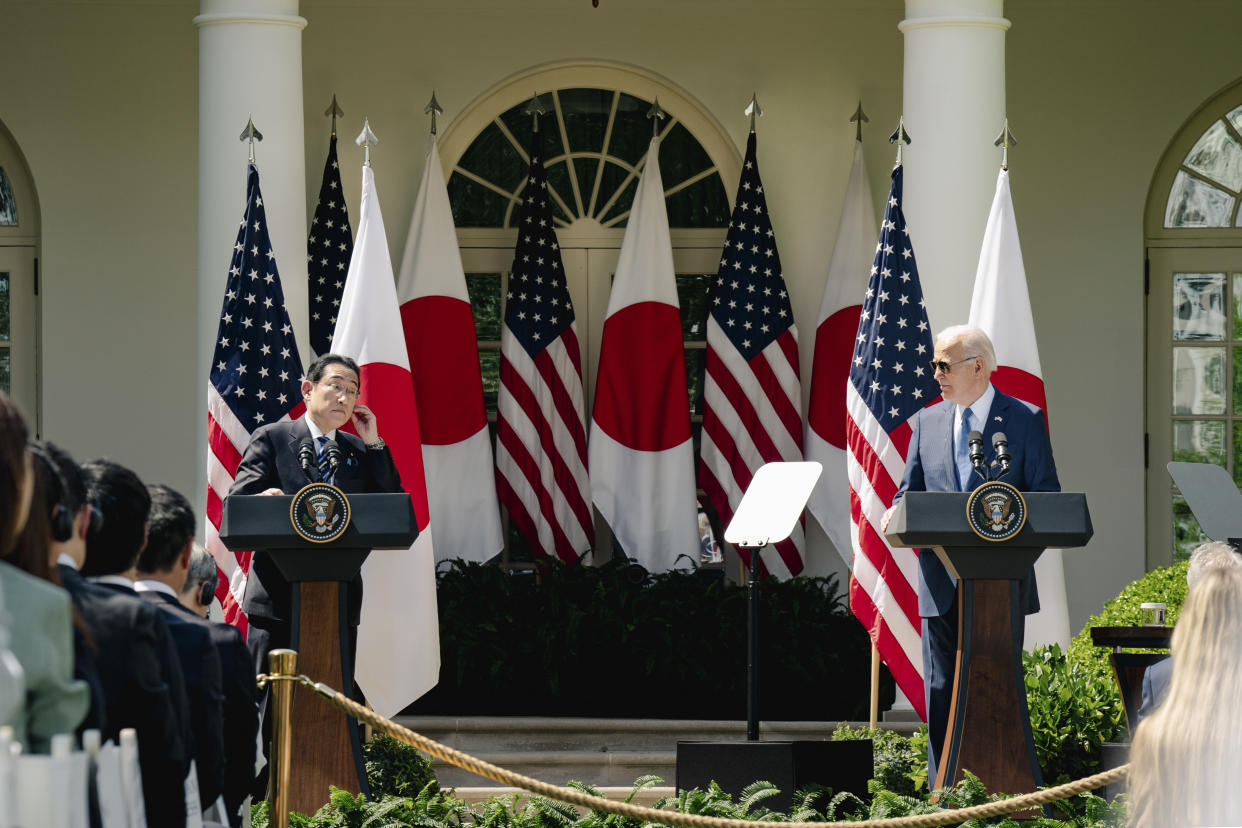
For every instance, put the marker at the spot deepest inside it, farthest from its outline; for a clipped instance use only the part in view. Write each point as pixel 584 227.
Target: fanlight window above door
pixel 596 143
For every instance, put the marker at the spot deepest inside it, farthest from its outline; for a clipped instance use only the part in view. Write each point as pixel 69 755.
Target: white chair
pixel 131 779
pixel 52 789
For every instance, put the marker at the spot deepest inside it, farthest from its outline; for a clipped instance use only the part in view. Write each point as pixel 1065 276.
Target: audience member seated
pixel 201 581
pixel 1185 757
pixel 138 662
pixel 1206 557
pixel 164 572
pixel 38 613
pixel 68 518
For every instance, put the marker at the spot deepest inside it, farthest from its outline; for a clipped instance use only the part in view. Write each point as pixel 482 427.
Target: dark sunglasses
pixel 946 367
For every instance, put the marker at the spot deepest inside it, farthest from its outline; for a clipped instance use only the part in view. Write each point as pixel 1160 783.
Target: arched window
pixel 1194 321
pixel 19 313
pixel 597 134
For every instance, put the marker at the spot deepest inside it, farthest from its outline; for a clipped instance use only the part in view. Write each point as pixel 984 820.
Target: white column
pixel 954 107
pixel 249 65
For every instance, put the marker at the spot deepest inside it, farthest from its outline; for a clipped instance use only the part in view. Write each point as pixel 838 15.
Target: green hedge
pixel 613 641
pixel 1073 697
pixel 404 795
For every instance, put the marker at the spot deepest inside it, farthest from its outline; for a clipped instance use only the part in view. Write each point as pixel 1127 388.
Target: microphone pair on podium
pixel 306 456
pixel 1000 445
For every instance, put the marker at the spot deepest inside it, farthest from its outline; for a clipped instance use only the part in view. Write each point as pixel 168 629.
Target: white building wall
pixel 103 102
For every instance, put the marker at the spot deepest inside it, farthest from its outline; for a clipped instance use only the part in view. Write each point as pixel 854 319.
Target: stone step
pixel 604 753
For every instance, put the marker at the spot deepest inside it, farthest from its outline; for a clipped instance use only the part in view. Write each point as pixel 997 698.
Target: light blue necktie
pixel 962 452
pixel 325 468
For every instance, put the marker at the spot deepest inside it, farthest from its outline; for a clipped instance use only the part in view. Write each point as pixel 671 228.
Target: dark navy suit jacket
pixel 1155 686
pixel 271 462
pixel 930 467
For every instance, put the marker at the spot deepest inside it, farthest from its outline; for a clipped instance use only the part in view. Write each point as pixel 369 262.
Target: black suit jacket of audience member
pixel 204 686
pixel 240 703
pixel 143 689
pixel 84 669
pixel 271 462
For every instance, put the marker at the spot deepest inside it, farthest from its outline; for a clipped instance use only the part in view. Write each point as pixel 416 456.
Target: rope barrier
pixel 675 818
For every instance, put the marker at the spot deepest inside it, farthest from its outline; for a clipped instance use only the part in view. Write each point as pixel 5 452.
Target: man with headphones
pixel 70 517
pixel 201 580
pixel 163 573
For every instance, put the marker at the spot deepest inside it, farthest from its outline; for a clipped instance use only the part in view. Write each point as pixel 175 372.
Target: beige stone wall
pixel 102 99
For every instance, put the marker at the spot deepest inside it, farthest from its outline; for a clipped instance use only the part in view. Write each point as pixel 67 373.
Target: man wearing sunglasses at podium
pixel 938 460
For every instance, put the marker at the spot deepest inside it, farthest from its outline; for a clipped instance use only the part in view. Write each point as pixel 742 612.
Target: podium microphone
pixel 975 441
pixel 333 451
pixel 1001 444
pixel 306 457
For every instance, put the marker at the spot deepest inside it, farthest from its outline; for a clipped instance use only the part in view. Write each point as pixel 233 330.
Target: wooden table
pixel 1129 667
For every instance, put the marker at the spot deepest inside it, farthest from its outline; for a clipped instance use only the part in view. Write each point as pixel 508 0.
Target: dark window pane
pixel 492 157
pixel 702 204
pixel 693 290
pixel 631 130
pixel 519 123
pixel 586 117
pixel 614 176
pixel 4 371
pixel 489 366
pixel 484 292
pixel 681 156
pixel 558 180
pixel 1187 534
pixel 8 204
pixel 1237 453
pixel 475 205
pixel 5 332
pixel 696 365
pixel 623 203
pixel 586 169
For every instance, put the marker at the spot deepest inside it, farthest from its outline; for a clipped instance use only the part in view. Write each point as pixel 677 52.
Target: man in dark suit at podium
pixel 938 460
pixel 272 466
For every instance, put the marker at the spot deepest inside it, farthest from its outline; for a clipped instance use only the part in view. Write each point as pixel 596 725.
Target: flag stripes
pixel 889 382
pixel 752 394
pixel 541 444
pixel 254 380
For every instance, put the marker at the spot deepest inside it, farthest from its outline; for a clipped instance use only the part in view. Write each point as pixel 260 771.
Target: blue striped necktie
pixel 964 469
pixel 325 468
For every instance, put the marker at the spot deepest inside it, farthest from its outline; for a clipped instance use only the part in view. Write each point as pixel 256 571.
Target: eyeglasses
pixel 945 367
pixel 337 390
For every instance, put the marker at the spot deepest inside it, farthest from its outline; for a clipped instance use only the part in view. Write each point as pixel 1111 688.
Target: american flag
pixel 541 448
pixel 328 248
pixel 890 380
pixel 255 379
pixel 752 394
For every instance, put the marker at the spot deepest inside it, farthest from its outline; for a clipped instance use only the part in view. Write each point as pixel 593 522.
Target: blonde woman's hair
pixel 1186 756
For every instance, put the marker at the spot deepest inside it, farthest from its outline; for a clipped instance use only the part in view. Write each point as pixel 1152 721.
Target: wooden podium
pixel 326 743
pixel 989 728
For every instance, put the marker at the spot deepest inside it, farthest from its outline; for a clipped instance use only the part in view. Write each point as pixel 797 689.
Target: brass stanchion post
pixel 283 663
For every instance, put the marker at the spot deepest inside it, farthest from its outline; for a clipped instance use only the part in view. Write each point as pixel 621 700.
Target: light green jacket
pixel 40 628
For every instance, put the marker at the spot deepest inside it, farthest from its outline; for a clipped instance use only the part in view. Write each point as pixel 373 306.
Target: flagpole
pixel 875 686
pixel 334 109
pixel 1005 140
pixel 899 136
pixel 859 117
pixel 433 109
pixel 249 133
pixel 753 109
pixel 366 139
pixel 655 114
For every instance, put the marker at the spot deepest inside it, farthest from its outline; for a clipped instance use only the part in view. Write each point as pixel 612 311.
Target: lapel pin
pixel 998 418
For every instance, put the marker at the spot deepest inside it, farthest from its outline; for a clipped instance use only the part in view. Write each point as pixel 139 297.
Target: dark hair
pixel 12 470
pixel 169 527
pixel 63 477
pixel 125 504
pixel 320 366
pixel 30 552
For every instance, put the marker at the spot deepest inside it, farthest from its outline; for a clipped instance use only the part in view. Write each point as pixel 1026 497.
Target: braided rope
pixel 660 817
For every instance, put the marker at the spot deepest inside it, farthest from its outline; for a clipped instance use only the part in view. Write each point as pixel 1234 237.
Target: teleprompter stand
pixel 767 514
pixel 325 741
pixel 989 728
